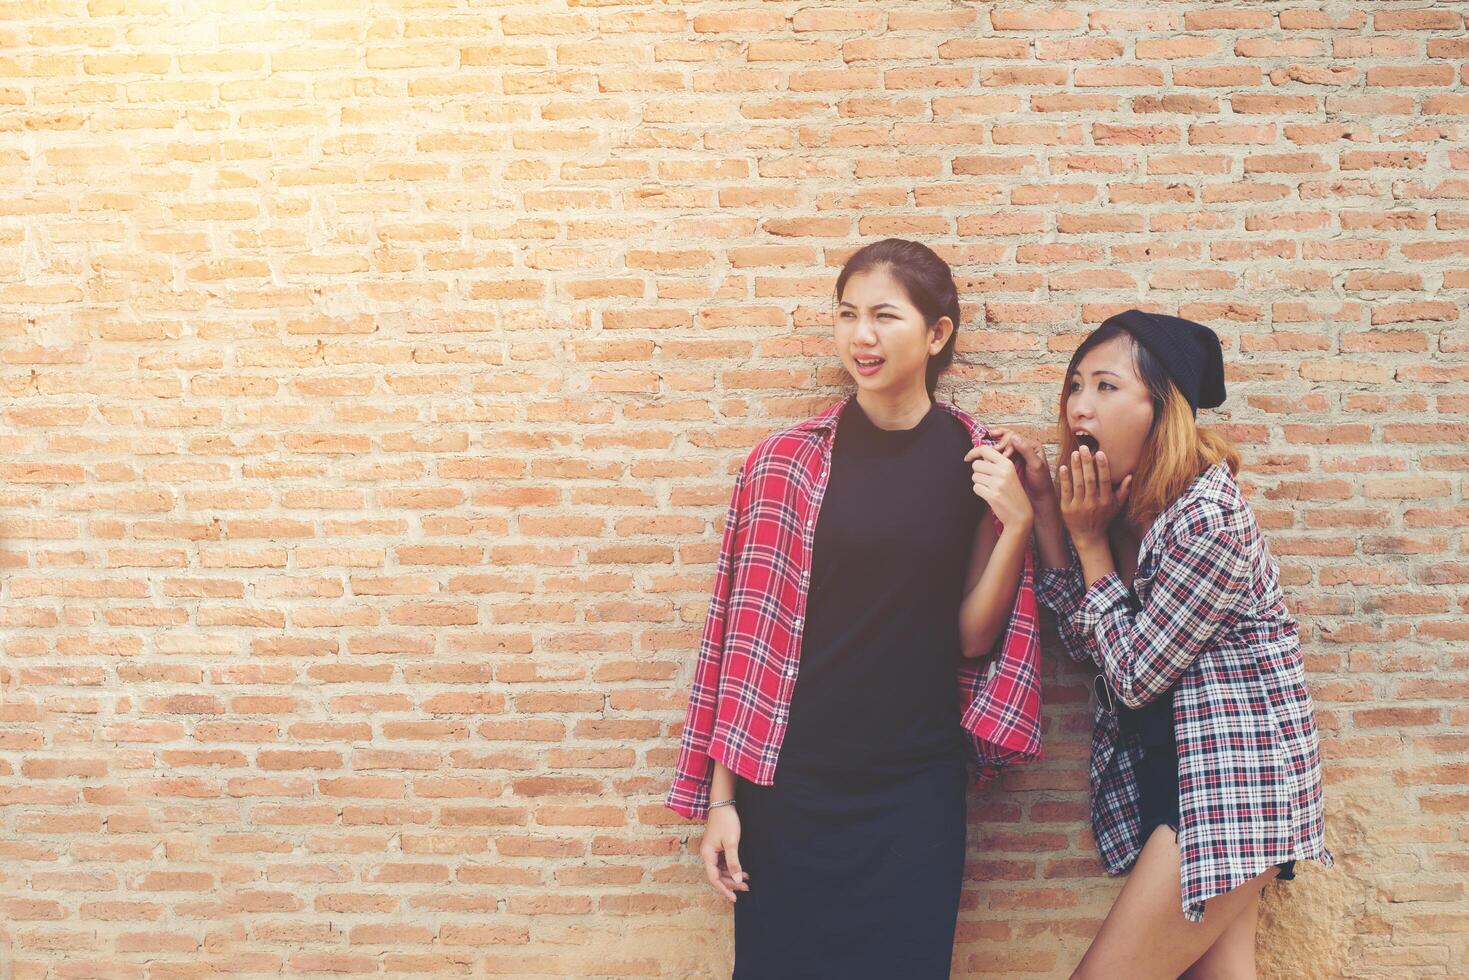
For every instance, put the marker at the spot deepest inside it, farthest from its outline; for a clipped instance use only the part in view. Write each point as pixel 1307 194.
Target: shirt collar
pixel 826 419
pixel 1216 483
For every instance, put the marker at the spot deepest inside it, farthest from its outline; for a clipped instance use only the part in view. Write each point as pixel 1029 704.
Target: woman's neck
pixel 895 412
pixel 1124 532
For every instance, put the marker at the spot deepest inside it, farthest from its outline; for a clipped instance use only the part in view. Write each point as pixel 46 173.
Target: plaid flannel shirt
pixel 1205 616
pixel 745 673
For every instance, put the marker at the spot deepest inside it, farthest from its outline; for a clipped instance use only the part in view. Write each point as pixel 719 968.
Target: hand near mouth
pixel 1088 501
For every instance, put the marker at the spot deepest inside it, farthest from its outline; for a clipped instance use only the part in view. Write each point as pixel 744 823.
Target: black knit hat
pixel 1188 351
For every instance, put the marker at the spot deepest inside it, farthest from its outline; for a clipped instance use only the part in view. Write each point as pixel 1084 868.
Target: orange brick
pixel 373 400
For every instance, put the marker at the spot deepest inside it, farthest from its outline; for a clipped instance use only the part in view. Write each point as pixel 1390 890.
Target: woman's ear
pixel 941 330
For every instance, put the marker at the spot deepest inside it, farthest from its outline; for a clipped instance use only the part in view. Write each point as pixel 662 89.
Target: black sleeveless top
pixel 877 687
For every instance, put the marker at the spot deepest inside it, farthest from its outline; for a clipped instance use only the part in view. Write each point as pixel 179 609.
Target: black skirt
pixel 850 878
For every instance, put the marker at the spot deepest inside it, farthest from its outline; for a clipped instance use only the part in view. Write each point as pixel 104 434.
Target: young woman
pixel 1205 770
pixel 871 630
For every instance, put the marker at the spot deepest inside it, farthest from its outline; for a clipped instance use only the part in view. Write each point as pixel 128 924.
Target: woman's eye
pixel 1105 386
pixel 1075 387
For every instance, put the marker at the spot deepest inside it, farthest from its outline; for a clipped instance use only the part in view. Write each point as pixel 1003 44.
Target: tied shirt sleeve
pixel 1201 586
pixel 694 770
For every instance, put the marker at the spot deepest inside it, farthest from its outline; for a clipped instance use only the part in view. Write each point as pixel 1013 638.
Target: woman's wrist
pixel 1050 540
pixel 1020 526
pixel 722 786
pixel 1092 549
pixel 1047 514
pixel 1096 561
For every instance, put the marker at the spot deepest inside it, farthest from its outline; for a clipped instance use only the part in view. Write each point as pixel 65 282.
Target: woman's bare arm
pixel 995 563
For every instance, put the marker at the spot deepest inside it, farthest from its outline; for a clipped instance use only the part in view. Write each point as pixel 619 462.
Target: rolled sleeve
pixel 689 796
pixel 1106 594
pixel 1060 590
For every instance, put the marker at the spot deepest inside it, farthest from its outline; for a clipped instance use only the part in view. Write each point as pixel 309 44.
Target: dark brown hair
pixel 926 279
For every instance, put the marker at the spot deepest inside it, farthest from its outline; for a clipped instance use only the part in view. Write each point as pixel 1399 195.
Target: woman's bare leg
pixel 1145 936
pixel 1232 957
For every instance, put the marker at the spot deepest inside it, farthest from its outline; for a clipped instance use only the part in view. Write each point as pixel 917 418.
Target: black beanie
pixel 1188 351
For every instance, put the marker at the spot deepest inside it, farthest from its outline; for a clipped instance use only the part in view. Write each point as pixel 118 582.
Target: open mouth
pixel 1088 440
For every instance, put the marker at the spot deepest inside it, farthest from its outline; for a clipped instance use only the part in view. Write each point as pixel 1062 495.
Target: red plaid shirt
pixel 746 671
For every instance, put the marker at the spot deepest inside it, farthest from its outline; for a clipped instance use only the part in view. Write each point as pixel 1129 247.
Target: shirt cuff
pixel 1059 590
pixel 689 797
pixel 1106 594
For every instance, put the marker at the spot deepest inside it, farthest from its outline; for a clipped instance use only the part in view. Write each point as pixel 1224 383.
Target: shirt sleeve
pixel 1002 696
pixel 1201 585
pixel 694 771
pixel 1060 590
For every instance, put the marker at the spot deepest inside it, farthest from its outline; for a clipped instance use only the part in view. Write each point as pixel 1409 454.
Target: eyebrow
pixel 879 306
pixel 1101 371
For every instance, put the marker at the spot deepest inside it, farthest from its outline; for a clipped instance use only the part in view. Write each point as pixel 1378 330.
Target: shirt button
pixel 799 621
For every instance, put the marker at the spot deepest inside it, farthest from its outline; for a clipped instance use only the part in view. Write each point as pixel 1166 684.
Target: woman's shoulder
pixel 792 437
pixel 792 441
pixel 1211 504
pixel 978 431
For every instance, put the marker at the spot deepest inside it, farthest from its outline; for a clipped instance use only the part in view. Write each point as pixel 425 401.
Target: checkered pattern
pixel 746 671
pixel 1205 616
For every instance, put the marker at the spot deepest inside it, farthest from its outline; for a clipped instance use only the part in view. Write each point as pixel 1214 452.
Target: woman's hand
pixel 1088 501
pixel 1036 475
pixel 721 852
pixel 998 482
pixel 1050 529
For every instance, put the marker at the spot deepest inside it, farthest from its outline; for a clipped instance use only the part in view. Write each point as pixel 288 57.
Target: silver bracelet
pixel 721 803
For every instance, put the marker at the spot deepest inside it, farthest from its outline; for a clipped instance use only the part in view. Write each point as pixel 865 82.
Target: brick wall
pixel 374 375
